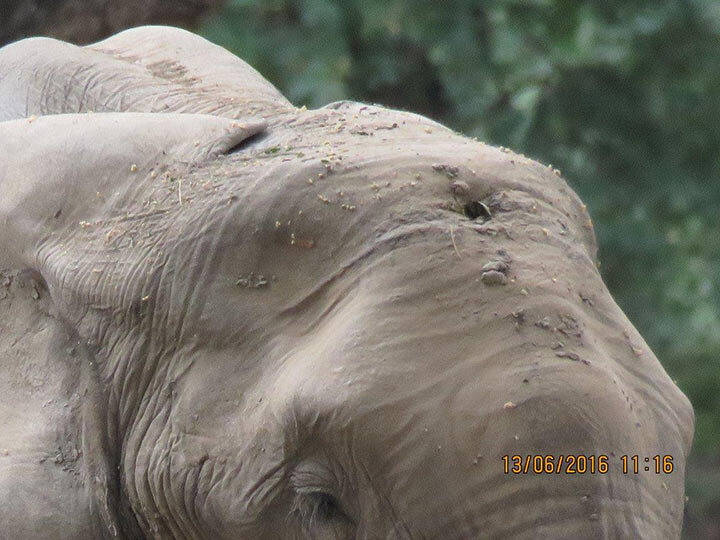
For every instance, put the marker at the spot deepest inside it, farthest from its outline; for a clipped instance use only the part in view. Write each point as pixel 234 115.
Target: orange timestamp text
pixel 585 464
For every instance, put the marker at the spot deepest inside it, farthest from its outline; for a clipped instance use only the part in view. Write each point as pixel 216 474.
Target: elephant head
pixel 247 320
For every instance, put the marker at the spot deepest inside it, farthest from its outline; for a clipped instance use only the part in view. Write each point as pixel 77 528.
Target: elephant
pixel 226 317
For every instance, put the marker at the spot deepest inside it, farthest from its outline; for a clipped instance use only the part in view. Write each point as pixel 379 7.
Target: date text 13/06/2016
pixel 586 464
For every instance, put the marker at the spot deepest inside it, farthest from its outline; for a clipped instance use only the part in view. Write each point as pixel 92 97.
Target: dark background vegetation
pixel 85 21
pixel 622 95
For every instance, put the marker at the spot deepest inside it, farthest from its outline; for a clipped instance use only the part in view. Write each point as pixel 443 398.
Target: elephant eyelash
pixel 316 504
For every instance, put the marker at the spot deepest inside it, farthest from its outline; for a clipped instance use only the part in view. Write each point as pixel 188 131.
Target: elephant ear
pixel 61 173
pixel 66 183
pixel 74 188
pixel 146 69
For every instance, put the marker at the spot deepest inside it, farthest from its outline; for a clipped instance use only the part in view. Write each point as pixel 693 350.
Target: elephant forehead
pixel 299 208
pixel 330 173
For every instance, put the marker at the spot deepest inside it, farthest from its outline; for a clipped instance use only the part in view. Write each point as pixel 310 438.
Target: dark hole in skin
pixel 32 278
pixel 245 143
pixel 477 209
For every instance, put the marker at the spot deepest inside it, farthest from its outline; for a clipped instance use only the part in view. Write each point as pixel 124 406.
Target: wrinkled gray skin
pixel 224 317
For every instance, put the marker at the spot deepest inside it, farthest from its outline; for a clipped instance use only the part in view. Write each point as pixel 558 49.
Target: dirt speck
pixel 450 170
pixel 493 277
pixel 569 326
pixel 460 188
pixel 543 323
pixel 252 281
pixel 497 266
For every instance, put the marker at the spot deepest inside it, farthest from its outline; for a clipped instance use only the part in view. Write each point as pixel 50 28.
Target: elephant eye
pixel 321 517
pixel 316 507
pixel 319 506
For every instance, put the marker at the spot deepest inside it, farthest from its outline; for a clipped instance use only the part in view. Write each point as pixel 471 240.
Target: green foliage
pixel 623 96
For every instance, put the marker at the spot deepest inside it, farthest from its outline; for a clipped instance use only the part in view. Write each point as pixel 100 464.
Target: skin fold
pixel 224 317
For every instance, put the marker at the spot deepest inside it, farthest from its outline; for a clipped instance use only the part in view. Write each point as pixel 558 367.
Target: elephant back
pixel 147 69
